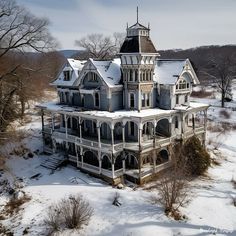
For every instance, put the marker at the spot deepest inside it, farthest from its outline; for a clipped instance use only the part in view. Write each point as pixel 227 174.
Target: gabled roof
pixel 72 65
pixel 109 71
pixel 138 44
pixel 169 71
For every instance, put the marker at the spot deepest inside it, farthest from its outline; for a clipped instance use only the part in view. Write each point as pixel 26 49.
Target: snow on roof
pixel 109 70
pixel 119 114
pixel 75 66
pixel 168 71
pixel 192 105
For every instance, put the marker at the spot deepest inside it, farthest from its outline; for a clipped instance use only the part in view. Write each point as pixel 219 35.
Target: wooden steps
pixel 53 163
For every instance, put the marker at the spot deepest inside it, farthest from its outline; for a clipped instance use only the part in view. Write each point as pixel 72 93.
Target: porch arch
pixel 90 157
pixel 106 162
pixel 131 161
pixel 163 128
pixel 131 132
pixel 162 157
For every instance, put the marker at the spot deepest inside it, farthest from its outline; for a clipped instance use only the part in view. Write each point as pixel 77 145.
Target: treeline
pixel 24 77
pixel 203 58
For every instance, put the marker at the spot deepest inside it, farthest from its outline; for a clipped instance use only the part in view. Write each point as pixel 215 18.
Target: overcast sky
pixel 173 23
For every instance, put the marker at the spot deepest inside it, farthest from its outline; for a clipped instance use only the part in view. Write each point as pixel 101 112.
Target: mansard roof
pixel 169 71
pixel 138 44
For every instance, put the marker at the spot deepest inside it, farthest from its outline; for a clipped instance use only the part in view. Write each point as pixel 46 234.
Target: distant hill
pixel 70 53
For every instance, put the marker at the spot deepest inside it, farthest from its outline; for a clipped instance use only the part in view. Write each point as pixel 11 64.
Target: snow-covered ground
pixel 209 212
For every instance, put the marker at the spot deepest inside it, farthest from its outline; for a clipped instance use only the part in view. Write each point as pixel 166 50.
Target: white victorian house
pixel 117 119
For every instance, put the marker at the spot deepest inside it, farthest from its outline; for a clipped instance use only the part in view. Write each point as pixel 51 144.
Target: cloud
pixel 174 23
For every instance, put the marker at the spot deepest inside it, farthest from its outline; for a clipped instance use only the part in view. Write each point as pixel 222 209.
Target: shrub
pixel 197 158
pixel 225 114
pixel 202 93
pixel 14 204
pixel 71 213
pixel 234 201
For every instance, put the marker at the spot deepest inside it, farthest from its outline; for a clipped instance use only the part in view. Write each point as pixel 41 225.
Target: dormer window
pixel 182 84
pixel 66 75
pixel 92 77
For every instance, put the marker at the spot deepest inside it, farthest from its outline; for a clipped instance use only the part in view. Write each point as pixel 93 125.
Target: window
pixel 177 99
pixel 62 97
pixel 131 76
pixel 97 102
pixel 186 98
pixel 66 75
pixel 131 100
pixel 94 128
pixel 136 75
pixel 143 100
pixel 148 99
pixel 92 77
pixel 67 97
pixel 176 122
pixel 182 84
pixel 187 85
pixel 131 128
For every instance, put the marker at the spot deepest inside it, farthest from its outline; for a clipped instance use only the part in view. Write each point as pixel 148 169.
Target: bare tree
pixel 21 30
pixel 173 187
pixel 222 70
pixel 100 46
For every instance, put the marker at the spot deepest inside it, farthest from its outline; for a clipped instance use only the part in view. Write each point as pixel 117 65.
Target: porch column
pixel 154 134
pixel 170 126
pixel 123 162
pixel 183 123
pixel 52 118
pixel 193 121
pixel 42 118
pixel 76 153
pixel 205 120
pixel 66 131
pixel 112 136
pixel 99 134
pixel 113 168
pixel 65 118
pixel 100 162
pixel 140 131
pixel 82 157
pixel 53 146
pixel 123 134
pixel 80 129
pixel 139 98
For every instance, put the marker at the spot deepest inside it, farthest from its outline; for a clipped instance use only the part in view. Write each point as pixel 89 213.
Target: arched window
pixel 97 102
pixel 131 101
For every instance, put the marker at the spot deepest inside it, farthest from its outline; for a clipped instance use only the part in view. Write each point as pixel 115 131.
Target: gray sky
pixel 173 23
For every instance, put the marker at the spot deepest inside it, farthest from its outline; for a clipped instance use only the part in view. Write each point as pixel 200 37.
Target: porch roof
pixel 121 114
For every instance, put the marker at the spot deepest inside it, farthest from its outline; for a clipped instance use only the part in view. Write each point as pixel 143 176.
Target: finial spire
pixel 137 14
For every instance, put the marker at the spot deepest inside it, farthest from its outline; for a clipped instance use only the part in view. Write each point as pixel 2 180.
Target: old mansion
pixel 117 119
